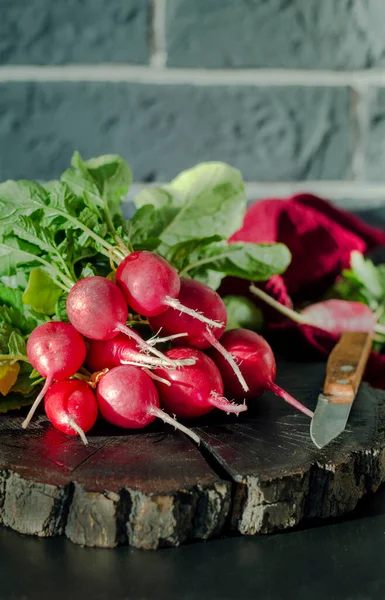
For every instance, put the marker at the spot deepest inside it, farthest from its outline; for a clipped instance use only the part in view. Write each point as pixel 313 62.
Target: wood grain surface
pixel 257 473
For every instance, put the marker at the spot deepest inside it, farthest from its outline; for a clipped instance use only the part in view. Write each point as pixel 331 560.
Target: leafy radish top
pixel 56 235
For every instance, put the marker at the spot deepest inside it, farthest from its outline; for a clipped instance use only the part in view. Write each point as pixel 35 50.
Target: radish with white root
pixel 334 316
pixel 71 407
pixel 97 308
pixel 57 351
pixel 128 398
pixel 151 286
pixel 258 366
pixel 122 350
pixel 202 299
pixel 194 390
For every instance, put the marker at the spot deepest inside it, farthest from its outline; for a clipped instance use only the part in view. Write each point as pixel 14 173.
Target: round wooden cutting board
pixel 258 473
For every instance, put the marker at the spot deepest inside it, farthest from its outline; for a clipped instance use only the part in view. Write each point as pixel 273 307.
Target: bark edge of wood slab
pixel 259 473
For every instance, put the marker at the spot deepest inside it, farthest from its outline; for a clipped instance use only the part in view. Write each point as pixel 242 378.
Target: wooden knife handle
pixel 346 365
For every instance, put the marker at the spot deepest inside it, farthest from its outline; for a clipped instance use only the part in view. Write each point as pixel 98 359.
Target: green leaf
pixel 206 200
pixel 15 401
pixel 257 262
pixel 367 274
pixel 41 293
pixel 16 344
pixel 181 255
pixel 112 175
pixel 242 312
pixel 20 198
pixel 144 229
pixel 61 310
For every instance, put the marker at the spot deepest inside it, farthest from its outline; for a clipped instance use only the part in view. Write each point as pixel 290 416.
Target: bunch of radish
pixel 135 382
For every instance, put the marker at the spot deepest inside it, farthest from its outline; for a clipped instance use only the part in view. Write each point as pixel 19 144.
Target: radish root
pixel 175 304
pixel 157 378
pixel 157 412
pixel 289 399
pixel 223 404
pixel 141 343
pixel 155 340
pixel 218 346
pixel 72 423
pixel 34 406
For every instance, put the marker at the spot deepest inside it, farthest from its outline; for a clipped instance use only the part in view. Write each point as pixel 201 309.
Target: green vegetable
pixel 242 312
pixel 54 234
pixel 363 282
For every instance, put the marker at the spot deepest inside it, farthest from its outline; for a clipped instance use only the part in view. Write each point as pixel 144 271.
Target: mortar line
pixel 158 55
pixel 214 77
pixel 360 121
pixel 348 194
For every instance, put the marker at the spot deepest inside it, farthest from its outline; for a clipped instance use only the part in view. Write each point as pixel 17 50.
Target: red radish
pixel 200 298
pixel 97 308
pixel 150 286
pixel 258 367
pixel 57 351
pixel 128 398
pixel 71 407
pixel 194 390
pixel 105 354
pixel 334 316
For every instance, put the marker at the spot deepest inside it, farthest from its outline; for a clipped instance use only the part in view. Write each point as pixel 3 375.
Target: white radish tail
pixel 223 404
pixel 210 337
pixel 72 423
pixel 34 406
pixel 176 305
pixel 160 414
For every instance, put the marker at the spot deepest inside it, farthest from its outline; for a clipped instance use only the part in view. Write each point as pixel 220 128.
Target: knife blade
pixel 344 371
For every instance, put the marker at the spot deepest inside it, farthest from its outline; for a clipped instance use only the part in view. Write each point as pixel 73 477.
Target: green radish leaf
pixel 16 400
pixel 181 255
pixel 206 200
pixel 20 198
pixel 144 229
pixel 368 275
pixel 61 310
pixel 42 293
pixel 16 344
pixel 257 262
pixel 112 176
pixel 242 312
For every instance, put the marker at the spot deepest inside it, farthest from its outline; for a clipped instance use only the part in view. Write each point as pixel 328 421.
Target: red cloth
pixel 320 238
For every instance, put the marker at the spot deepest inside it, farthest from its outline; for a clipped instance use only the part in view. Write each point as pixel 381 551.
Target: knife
pixel 344 371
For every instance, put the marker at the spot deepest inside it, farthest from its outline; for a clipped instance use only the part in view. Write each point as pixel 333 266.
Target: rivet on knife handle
pixel 346 365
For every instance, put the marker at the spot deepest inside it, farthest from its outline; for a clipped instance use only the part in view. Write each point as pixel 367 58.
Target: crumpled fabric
pixel 321 238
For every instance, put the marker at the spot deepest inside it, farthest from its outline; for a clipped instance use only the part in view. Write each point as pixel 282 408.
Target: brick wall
pixel 292 92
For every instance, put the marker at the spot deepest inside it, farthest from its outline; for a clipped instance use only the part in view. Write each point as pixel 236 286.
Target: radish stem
pixel 157 412
pixel 176 305
pixel 34 406
pixel 210 337
pixel 273 387
pixel 284 310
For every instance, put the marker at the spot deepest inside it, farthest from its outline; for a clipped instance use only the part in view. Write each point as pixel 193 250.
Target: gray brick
pixel 270 133
pixel 77 31
pixel 375 141
pixel 315 34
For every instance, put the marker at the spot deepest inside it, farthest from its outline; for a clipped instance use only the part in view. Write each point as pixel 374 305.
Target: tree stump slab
pixel 258 473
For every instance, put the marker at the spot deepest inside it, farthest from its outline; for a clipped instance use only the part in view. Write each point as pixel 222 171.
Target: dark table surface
pixel 343 560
